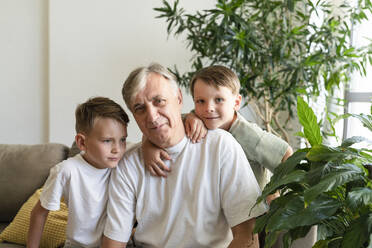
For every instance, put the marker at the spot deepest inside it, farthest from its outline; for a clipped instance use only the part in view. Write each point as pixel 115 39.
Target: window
pixel 359 94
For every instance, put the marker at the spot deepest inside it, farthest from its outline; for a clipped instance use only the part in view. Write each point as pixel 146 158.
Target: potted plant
pixel 275 47
pixel 330 187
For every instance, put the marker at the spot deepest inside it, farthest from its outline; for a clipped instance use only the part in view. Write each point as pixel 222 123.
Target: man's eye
pixel 139 109
pixel 123 140
pixel 159 101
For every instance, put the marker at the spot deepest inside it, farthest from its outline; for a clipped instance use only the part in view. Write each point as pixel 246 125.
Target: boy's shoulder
pixel 242 125
pixel 68 165
pixel 241 119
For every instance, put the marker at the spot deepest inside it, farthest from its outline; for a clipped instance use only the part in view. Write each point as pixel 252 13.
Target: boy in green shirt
pixel 215 90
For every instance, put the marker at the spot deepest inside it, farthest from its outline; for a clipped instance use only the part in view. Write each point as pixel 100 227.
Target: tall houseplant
pixel 330 187
pixel 275 47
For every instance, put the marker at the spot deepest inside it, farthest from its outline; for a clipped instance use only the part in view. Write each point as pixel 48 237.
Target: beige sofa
pixel 24 169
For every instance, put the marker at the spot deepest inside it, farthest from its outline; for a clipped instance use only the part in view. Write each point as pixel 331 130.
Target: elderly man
pixel 206 201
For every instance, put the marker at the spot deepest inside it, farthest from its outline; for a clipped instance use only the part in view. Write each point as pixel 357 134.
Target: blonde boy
pixel 83 180
pixel 215 90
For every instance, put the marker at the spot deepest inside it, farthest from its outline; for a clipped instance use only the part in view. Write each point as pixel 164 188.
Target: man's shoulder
pixel 131 154
pixel 219 135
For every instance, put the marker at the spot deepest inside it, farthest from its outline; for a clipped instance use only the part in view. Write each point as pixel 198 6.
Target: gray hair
pixel 137 80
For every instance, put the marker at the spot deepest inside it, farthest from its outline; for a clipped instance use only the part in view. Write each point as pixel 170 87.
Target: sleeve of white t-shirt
pixel 238 185
pixel 121 203
pixel 52 192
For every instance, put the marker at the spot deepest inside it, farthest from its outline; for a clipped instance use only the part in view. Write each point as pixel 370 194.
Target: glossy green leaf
pixel 321 244
pixel 290 164
pixel 271 238
pixel 295 234
pixel 358 233
pixel 296 215
pixel 320 153
pixel 360 196
pixel 353 140
pixel 345 173
pixel 308 120
pixel 294 176
pixel 365 119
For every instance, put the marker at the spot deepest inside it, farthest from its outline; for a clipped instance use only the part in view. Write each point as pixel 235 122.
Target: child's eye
pixel 106 141
pixel 123 140
pixel 219 99
pixel 199 101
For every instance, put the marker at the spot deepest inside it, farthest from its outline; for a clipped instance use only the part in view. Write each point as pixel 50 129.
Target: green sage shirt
pixel 264 150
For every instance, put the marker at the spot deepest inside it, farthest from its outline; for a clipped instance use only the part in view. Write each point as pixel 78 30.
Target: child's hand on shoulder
pixel 195 128
pixel 153 157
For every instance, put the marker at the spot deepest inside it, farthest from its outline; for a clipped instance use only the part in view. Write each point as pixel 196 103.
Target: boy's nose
pixel 115 148
pixel 210 108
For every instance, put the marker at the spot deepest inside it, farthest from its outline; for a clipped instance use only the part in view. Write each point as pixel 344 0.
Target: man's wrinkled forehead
pixel 156 86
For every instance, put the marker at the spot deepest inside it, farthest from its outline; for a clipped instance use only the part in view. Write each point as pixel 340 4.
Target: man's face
pixel 157 110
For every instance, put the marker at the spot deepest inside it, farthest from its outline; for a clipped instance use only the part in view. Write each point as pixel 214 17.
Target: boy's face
pixel 215 106
pixel 105 144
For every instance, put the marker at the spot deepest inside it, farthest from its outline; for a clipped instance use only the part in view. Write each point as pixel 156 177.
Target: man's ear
pixel 80 141
pixel 238 100
pixel 179 97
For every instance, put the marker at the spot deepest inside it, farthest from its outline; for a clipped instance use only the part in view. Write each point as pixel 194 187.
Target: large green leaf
pixel 293 177
pixel 351 141
pixel 308 120
pixel 294 214
pixel 275 205
pixel 294 234
pixel 345 173
pixel 290 164
pixel 321 244
pixel 281 173
pixel 365 119
pixel 270 239
pixel 324 153
pixel 359 232
pixel 360 196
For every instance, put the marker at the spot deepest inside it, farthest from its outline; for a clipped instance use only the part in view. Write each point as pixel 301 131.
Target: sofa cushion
pixel 54 232
pixel 23 169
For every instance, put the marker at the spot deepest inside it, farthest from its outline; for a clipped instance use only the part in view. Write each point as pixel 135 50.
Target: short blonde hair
pixel 217 75
pixel 137 80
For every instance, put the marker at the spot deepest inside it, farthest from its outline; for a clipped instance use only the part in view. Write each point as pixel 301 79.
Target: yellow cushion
pixel 54 234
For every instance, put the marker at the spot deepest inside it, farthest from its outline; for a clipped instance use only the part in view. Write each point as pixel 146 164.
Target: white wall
pixel 94 45
pixel 23 71
pixel 85 48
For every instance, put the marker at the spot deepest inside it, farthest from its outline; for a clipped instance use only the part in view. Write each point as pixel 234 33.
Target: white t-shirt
pixel 211 188
pixel 84 189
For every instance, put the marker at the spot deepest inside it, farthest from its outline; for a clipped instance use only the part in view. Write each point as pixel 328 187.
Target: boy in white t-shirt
pixel 101 126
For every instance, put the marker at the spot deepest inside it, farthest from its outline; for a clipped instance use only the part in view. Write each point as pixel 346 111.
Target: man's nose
pixel 152 113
